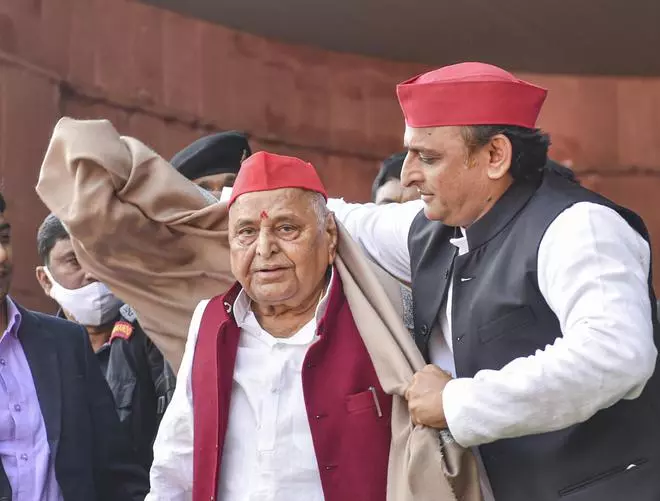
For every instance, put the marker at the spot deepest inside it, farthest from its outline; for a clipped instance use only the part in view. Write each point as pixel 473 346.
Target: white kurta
pixel 268 453
pixel 592 271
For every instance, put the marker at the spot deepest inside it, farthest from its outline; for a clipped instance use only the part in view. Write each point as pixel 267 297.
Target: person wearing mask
pixel 60 439
pixel 212 162
pixel 141 382
pixel 387 186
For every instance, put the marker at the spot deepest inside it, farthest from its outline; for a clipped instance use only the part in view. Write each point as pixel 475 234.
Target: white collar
pixel 245 318
pixel 461 242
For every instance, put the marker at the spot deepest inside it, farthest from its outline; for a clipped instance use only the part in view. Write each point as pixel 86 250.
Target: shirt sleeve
pixel 172 469
pixel 593 271
pixel 381 230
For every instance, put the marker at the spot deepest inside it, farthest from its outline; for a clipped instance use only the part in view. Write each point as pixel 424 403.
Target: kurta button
pixel 425 330
pixel 460 337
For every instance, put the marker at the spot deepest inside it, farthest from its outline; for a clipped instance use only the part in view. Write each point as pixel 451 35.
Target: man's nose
pixel 265 243
pixel 90 278
pixel 410 172
pixel 4 254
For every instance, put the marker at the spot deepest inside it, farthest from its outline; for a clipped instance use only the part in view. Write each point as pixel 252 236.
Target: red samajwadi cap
pixel 267 171
pixel 470 94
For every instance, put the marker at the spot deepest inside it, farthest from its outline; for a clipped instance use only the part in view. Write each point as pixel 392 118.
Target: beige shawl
pixel 153 238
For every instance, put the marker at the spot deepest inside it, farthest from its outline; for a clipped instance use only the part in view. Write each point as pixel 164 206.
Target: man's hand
pixel 424 396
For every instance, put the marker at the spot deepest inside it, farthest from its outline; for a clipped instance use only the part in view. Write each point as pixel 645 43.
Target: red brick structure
pixel 168 79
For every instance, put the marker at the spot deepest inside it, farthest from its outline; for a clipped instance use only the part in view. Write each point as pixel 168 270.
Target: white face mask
pixel 91 305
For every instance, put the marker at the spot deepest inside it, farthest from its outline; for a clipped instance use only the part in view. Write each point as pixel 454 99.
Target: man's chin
pixel 270 296
pixel 432 213
pixel 5 283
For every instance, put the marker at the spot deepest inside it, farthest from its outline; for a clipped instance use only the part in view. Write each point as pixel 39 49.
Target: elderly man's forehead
pixel 273 201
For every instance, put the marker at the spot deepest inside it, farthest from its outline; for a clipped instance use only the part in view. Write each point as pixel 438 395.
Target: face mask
pixel 91 305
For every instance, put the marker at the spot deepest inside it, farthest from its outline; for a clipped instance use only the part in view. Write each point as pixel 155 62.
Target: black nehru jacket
pixel 389 169
pixel 499 314
pixel 215 154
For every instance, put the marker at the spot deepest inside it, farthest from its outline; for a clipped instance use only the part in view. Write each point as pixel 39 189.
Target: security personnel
pixel 212 162
pixel 140 380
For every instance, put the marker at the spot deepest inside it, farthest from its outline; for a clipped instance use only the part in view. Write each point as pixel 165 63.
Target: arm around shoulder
pixel 381 230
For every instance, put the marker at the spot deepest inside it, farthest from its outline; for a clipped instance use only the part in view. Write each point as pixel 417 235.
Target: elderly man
pixel 277 395
pixel 535 292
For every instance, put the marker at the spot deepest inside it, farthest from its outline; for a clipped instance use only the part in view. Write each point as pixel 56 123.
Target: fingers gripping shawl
pixel 154 239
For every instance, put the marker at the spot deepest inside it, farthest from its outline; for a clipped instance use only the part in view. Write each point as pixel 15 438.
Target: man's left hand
pixel 424 396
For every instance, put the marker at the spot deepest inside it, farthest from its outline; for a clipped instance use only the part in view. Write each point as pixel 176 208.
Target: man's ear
pixel 331 231
pixel 500 151
pixel 43 279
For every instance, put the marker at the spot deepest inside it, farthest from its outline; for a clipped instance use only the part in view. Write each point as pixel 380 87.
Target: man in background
pixel 387 186
pixel 212 162
pixel 59 439
pixel 141 384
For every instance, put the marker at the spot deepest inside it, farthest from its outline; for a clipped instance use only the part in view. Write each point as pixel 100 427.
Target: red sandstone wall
pixel 168 79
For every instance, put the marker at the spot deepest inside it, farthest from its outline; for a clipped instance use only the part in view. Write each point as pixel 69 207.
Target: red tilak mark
pixel 264 214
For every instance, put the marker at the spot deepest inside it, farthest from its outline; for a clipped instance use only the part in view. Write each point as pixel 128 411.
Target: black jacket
pixel 93 458
pixel 141 382
pixel 499 314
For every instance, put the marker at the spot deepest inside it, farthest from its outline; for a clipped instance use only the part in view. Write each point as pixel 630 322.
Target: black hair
pixel 3 205
pixel 389 169
pixel 529 147
pixel 50 232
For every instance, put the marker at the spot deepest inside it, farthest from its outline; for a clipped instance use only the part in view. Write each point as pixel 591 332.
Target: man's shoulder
pixel 66 335
pixel 126 328
pixel 52 323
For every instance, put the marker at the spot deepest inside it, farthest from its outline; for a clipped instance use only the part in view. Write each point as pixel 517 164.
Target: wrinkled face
pixel 280 251
pixel 392 192
pixel 215 182
pixel 64 267
pixel 5 256
pixel 454 186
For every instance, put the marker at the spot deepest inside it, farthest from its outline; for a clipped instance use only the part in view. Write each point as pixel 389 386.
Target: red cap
pixel 469 94
pixel 267 171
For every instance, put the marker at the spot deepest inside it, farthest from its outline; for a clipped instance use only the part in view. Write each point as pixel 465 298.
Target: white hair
pixel 320 209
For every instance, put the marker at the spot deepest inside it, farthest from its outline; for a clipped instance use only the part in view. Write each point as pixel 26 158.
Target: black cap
pixel 389 169
pixel 215 154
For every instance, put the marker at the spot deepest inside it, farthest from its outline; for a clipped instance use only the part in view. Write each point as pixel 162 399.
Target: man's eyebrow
pixel 421 149
pixel 244 221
